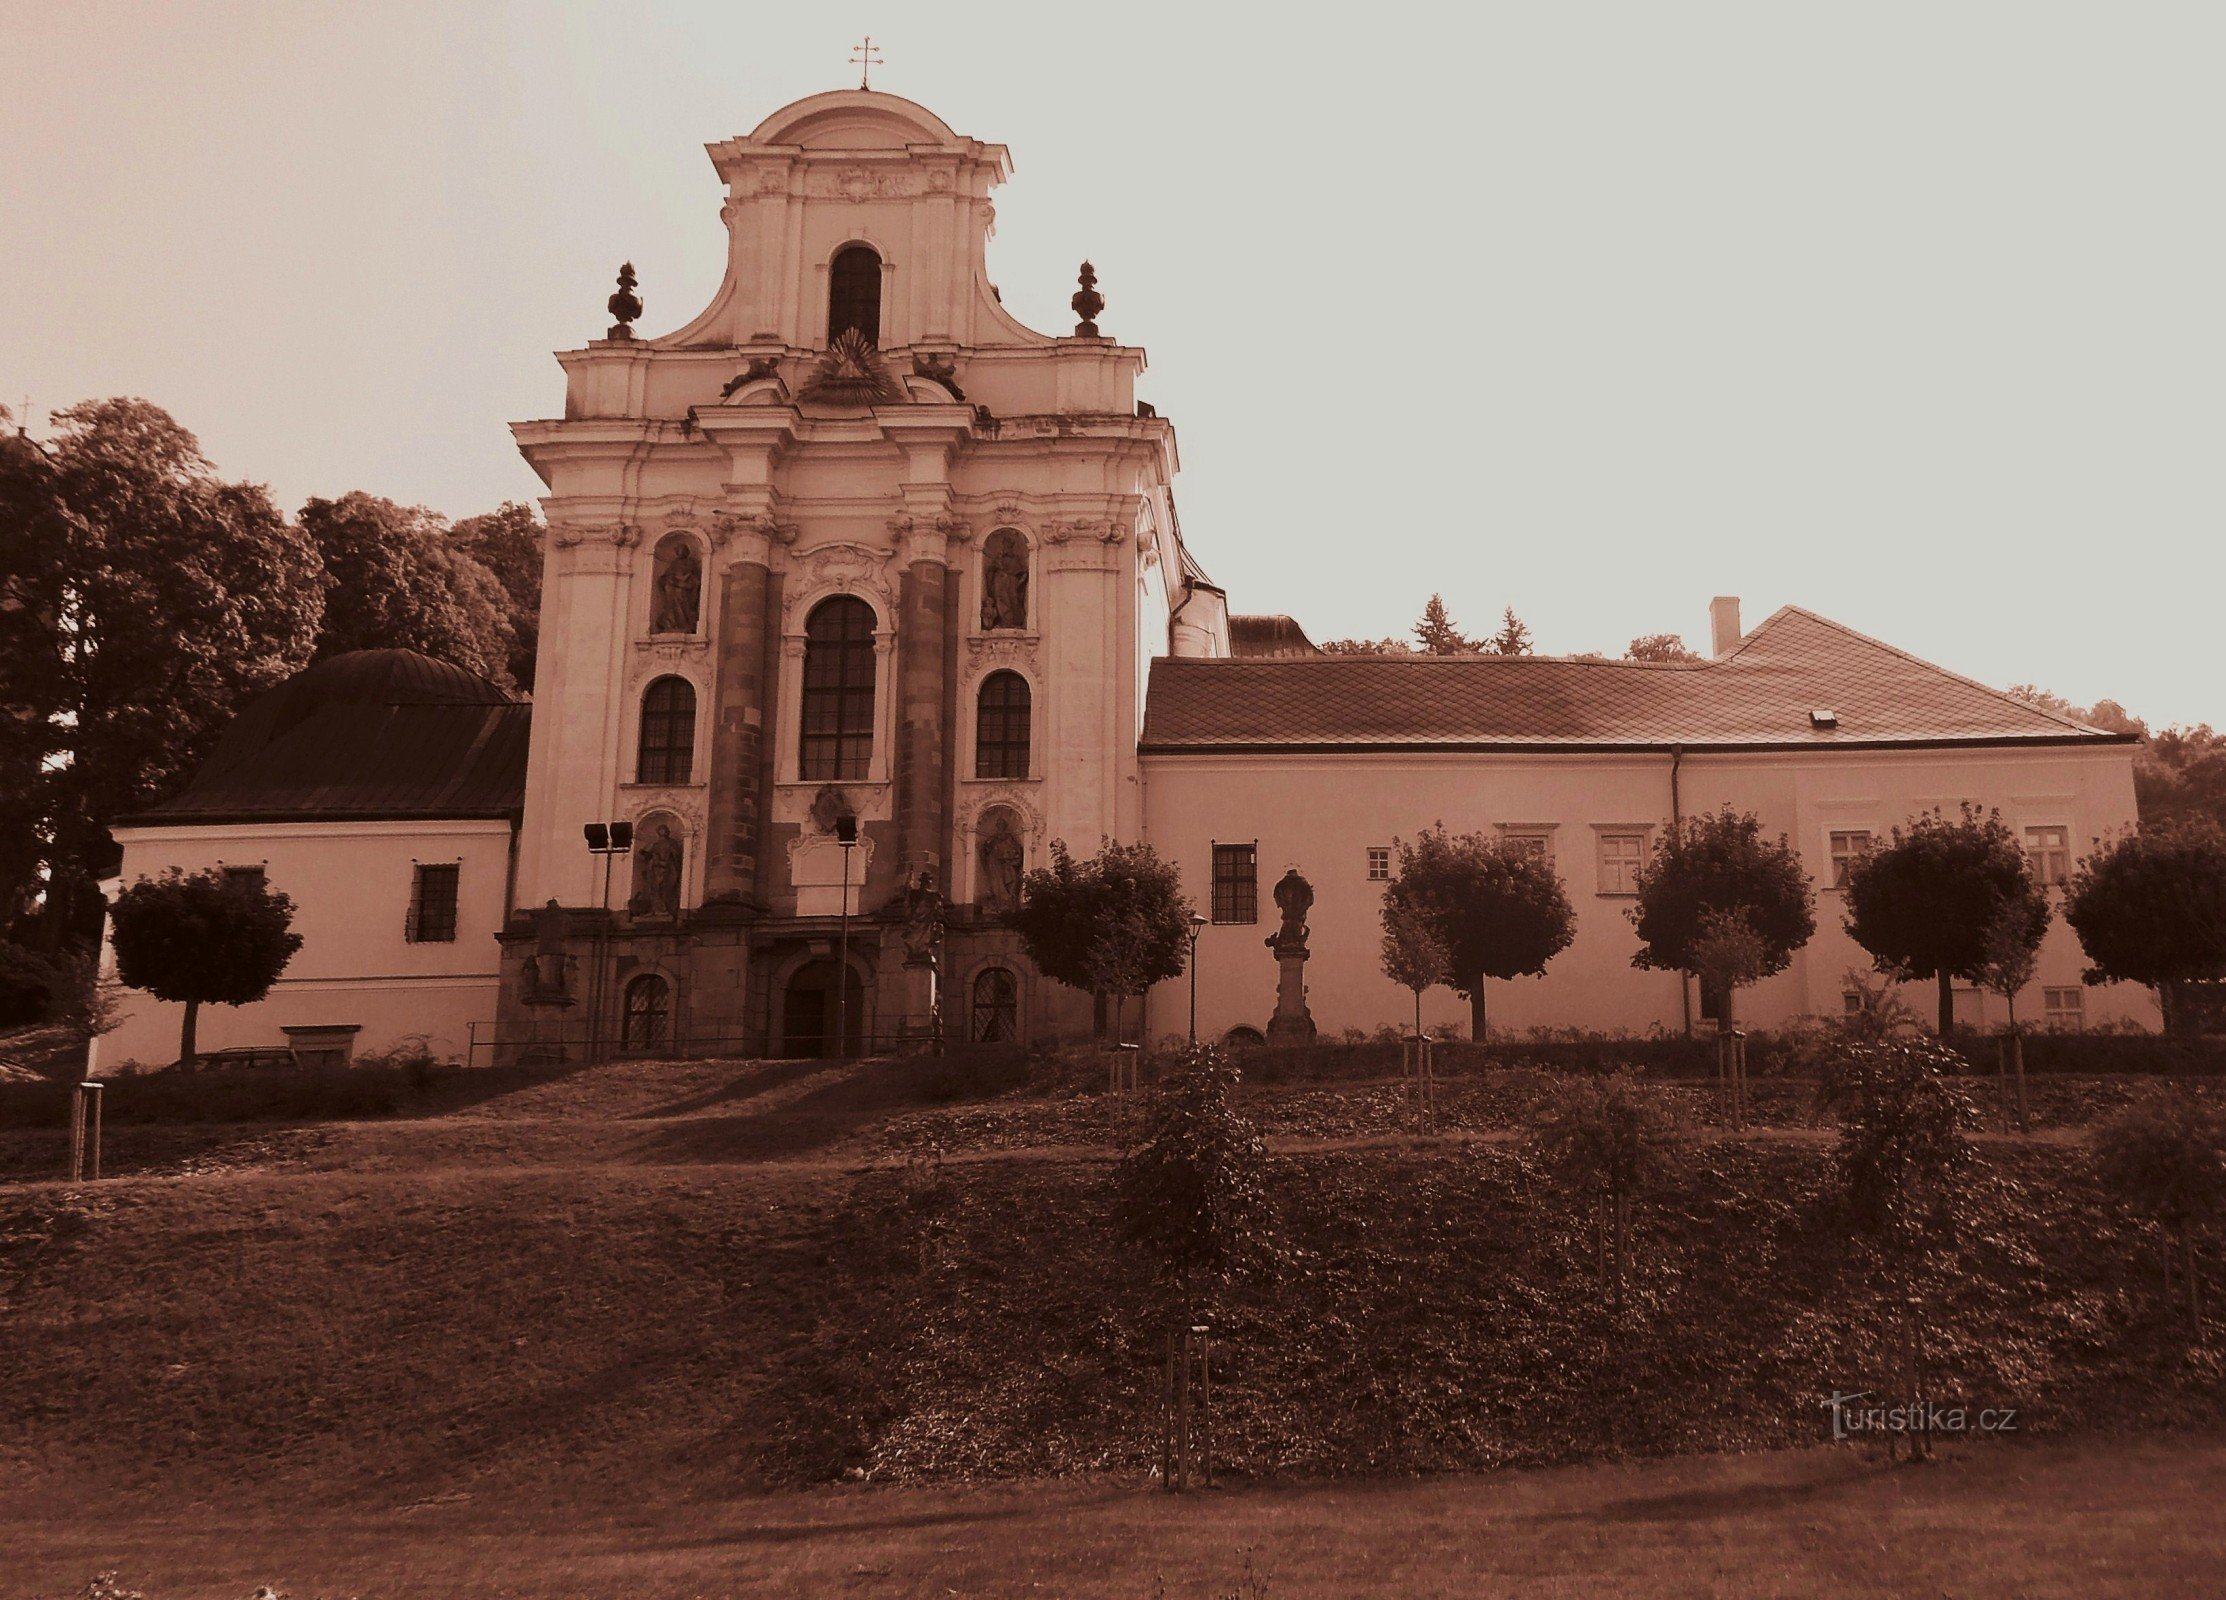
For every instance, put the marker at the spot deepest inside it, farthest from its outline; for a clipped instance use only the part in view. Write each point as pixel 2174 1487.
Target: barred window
pixel 837 738
pixel 1236 883
pixel 665 752
pixel 1001 727
pixel 433 903
pixel 647 1024
pixel 996 1017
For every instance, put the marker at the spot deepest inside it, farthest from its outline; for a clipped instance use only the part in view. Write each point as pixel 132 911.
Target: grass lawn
pixel 2001 1518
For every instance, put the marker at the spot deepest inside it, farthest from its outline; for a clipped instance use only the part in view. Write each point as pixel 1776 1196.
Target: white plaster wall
pixel 1320 813
pixel 351 884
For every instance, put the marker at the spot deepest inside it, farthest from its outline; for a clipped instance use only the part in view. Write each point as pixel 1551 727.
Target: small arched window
pixel 854 294
pixel 1001 727
pixel 996 1018
pixel 837 736
pixel 648 1023
pixel 667 749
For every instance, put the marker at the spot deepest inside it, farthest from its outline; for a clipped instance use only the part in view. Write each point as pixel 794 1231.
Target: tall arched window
pixel 1001 727
pixel 996 1016
pixel 854 294
pixel 666 752
pixel 837 739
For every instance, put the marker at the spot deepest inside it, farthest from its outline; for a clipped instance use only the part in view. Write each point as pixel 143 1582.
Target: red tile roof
pixel 1761 694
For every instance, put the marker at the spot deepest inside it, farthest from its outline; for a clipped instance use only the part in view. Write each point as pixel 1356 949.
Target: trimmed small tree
pixel 1112 925
pixel 1709 875
pixel 1413 956
pixel 1607 1138
pixel 2150 907
pixel 2166 1161
pixel 202 938
pixel 1495 906
pixel 1194 1189
pixel 1928 903
pixel 1903 1128
pixel 2012 955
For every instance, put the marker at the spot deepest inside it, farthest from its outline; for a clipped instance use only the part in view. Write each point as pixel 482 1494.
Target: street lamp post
pixel 1197 923
pixel 605 839
pixel 846 835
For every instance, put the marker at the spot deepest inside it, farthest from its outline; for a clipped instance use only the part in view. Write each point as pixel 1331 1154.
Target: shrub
pixel 1902 1129
pixel 1194 1190
pixel 2165 1160
pixel 30 986
pixel 1606 1138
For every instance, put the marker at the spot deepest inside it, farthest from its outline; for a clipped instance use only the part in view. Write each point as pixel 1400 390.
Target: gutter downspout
pixel 1677 816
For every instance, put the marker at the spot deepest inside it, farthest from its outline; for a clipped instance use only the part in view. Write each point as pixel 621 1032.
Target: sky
pixel 1910 314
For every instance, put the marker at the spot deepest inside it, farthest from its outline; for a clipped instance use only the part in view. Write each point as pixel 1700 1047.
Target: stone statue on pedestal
pixel 1292 1022
pixel 548 970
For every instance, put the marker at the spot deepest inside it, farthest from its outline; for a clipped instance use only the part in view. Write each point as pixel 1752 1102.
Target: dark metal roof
pixel 1759 695
pixel 1255 638
pixel 374 735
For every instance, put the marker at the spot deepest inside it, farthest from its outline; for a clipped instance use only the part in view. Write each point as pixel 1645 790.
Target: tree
pixel 142 601
pixel 1437 634
pixel 1902 1129
pixel 1606 1137
pixel 1927 904
pixel 507 542
pixel 399 583
pixel 1112 925
pixel 1367 647
pixel 1194 1190
pixel 1513 638
pixel 1659 647
pixel 2150 907
pixel 2166 1161
pixel 2012 955
pixel 1710 868
pixel 1495 905
pixel 1413 956
pixel 207 938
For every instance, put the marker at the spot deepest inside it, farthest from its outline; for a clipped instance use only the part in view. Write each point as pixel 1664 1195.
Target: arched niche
pixel 660 864
pixel 1005 581
pixel 676 586
pixel 1000 858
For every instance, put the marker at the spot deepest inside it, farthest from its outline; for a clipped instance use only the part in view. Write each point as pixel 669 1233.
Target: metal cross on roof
pixel 865 58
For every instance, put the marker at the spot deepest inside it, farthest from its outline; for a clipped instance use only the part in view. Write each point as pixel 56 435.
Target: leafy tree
pixel 398 582
pixel 1194 1190
pixel 507 542
pixel 1367 647
pixel 1413 956
pixel 1928 903
pixel 204 938
pixel 2150 907
pixel 2179 773
pixel 1902 1129
pixel 1495 906
pixel 1715 866
pixel 2166 1161
pixel 142 600
pixel 1659 647
pixel 1436 633
pixel 1112 925
pixel 1607 1138
pixel 2012 956
pixel 1513 638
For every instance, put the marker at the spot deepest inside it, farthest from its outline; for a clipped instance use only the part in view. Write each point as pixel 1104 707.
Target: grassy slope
pixel 629 1299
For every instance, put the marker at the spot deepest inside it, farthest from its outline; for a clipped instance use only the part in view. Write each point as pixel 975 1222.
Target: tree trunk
pixel 186 1055
pixel 1947 1006
pixel 1479 1028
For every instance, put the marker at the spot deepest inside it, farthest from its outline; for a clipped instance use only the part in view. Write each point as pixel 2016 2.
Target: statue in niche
pixel 1001 860
pixel 679 591
pixel 657 875
pixel 1004 581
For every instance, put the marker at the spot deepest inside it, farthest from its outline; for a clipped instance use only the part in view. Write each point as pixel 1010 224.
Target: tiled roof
pixel 382 735
pixel 1760 694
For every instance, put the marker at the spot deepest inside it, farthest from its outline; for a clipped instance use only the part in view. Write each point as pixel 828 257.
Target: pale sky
pixel 1913 314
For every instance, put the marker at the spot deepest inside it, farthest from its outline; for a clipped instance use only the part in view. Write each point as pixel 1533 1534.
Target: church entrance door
pixel 808 1011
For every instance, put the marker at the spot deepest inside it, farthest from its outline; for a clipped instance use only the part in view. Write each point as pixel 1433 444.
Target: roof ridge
pixel 1418 656
pixel 2002 695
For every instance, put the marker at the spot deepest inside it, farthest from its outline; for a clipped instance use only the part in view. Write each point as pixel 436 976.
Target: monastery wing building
pixel 859 594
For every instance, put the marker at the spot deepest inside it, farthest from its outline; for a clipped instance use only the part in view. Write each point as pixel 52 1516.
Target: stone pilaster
pixel 734 820
pixel 923 611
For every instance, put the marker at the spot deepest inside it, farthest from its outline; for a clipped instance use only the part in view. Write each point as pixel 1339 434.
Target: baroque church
pixel 859 594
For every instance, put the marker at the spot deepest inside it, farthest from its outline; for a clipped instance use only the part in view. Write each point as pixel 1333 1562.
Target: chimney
pixel 1723 624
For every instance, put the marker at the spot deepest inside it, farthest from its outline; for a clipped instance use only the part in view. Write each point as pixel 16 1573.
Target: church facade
pixel 858 594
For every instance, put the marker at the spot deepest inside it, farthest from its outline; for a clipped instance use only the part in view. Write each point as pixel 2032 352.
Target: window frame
pixel 415 928
pixel 631 1041
pixel 1379 863
pixel 1235 892
pixel 2054 1015
pixel 2049 863
pixel 1839 863
pixel 848 750
pixel 1008 1002
pixel 1605 832
pixel 676 728
pixel 1015 757
pixel 1540 834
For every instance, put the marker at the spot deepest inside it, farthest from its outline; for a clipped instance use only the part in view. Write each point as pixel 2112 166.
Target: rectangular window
pixel 246 875
pixel 1379 863
pixel 1537 841
pixel 433 904
pixel 1849 845
pixel 1851 1002
pixel 1621 857
pixel 2048 852
pixel 2064 1010
pixel 1236 883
